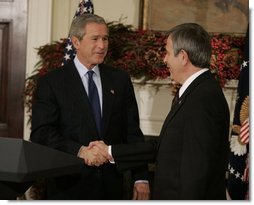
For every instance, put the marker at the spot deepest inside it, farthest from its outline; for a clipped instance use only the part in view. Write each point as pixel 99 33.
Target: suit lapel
pixel 170 116
pixel 182 100
pixel 108 95
pixel 79 93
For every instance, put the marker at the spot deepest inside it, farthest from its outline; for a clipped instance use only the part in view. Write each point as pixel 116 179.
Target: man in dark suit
pixel 191 152
pixel 84 101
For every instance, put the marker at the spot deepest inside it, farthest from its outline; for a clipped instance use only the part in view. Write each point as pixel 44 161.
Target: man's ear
pixel 75 42
pixel 185 57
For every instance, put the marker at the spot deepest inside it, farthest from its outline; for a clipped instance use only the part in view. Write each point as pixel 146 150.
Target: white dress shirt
pixel 82 70
pixel 190 80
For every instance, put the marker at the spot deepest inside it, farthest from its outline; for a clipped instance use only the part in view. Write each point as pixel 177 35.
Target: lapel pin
pixel 112 91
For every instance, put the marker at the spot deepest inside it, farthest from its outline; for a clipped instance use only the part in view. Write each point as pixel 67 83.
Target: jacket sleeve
pixel 139 170
pixel 135 155
pixel 45 119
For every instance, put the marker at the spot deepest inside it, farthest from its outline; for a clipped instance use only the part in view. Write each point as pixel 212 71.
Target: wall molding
pixel 38 34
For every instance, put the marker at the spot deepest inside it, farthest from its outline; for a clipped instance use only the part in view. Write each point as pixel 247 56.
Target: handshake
pixel 95 154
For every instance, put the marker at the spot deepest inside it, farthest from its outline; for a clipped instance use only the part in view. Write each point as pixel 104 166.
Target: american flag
pixel 85 6
pixel 238 167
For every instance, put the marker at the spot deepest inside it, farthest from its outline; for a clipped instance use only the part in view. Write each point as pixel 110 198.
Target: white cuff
pixel 110 153
pixel 142 181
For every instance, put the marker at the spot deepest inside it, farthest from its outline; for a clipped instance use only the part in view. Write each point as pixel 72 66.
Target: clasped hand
pixel 95 154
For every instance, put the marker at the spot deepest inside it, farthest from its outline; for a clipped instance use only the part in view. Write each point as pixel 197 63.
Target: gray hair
pixel 79 23
pixel 194 40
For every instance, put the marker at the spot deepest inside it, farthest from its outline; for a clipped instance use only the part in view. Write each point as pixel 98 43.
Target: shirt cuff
pixel 142 181
pixel 113 162
pixel 110 153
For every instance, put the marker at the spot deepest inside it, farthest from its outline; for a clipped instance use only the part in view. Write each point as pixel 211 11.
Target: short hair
pixel 79 23
pixel 193 39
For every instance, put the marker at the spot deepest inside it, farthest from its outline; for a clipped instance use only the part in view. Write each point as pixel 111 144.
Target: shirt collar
pixel 190 80
pixel 82 70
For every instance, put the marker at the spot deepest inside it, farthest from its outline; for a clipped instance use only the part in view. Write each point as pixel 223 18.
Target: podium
pixel 23 162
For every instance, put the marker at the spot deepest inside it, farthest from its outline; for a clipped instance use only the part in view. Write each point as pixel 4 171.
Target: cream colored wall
pixel 62 15
pixel 113 10
pixel 38 33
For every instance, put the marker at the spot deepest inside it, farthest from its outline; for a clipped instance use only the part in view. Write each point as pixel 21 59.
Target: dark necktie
pixel 175 99
pixel 94 100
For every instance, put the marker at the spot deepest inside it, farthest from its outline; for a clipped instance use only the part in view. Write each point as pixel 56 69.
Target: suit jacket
pixel 191 152
pixel 62 119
